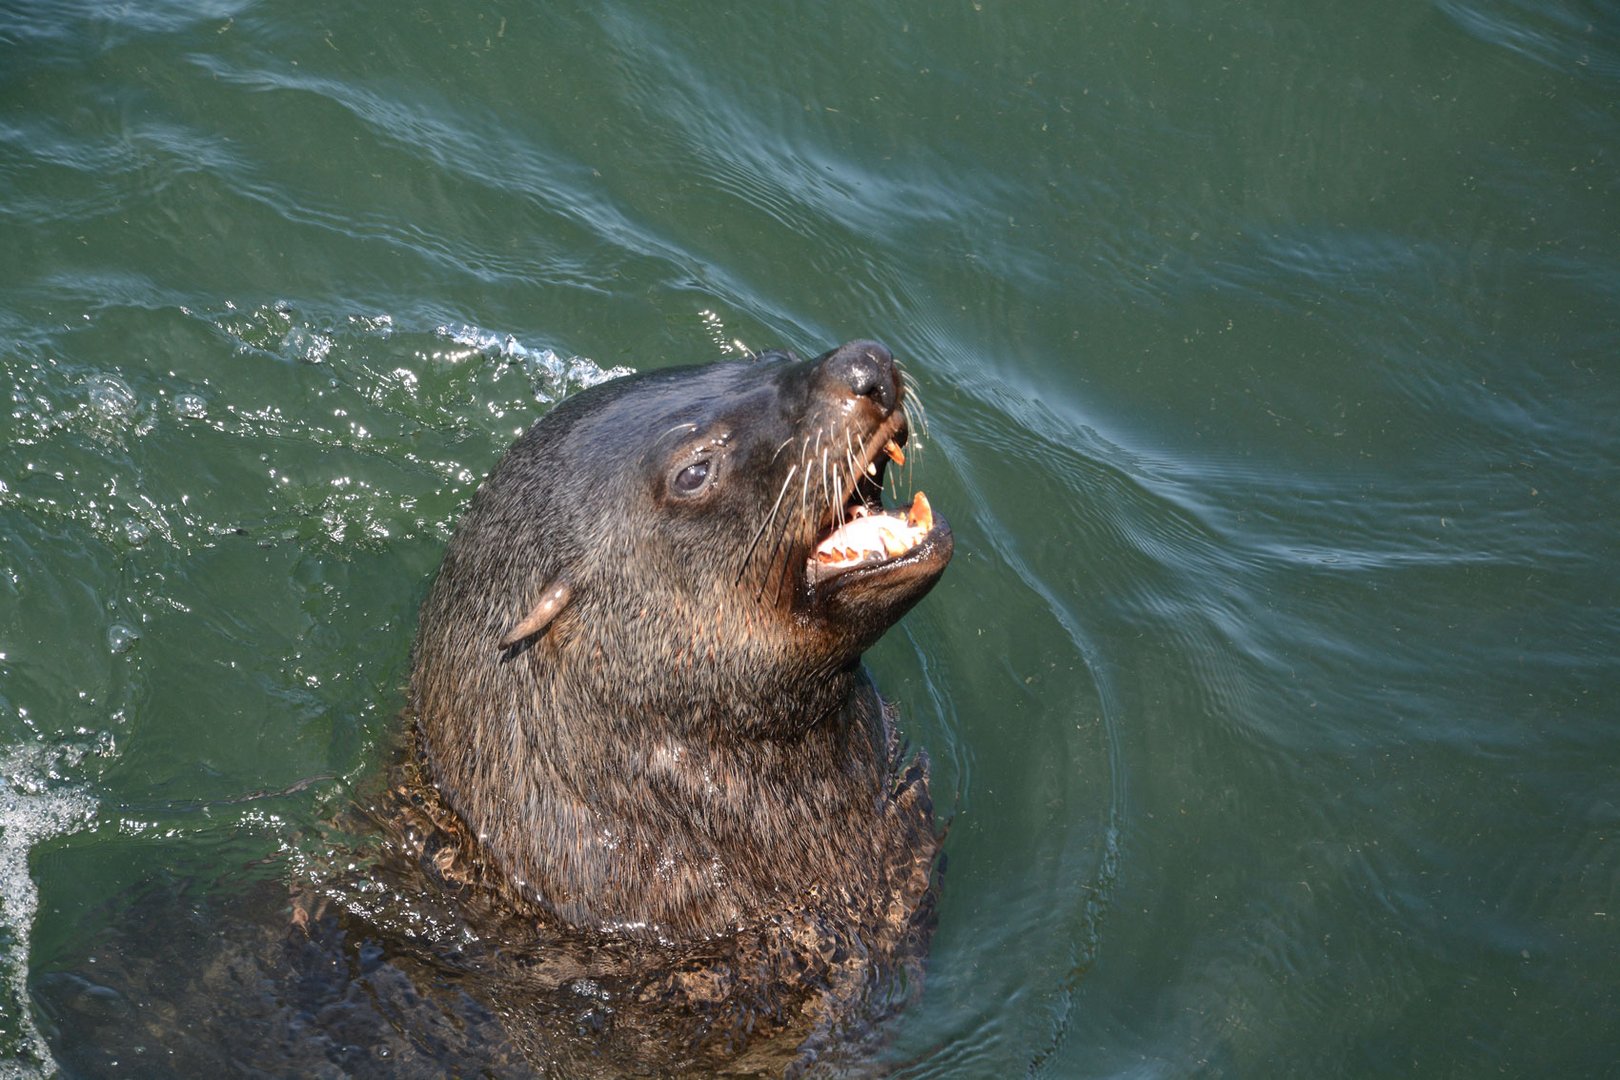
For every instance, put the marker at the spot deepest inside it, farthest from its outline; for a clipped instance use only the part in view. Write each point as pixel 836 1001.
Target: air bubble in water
pixel 190 406
pixel 111 396
pixel 306 345
pixel 121 638
pixel 136 532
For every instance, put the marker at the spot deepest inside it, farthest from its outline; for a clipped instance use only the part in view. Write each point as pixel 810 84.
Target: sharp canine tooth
pixel 920 513
pixel 871 468
pixel 896 455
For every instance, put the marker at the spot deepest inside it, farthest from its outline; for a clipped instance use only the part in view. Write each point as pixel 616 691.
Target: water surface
pixel 1269 356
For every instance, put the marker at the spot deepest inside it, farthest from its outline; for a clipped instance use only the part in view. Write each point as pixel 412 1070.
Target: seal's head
pixel 717 531
pixel 682 562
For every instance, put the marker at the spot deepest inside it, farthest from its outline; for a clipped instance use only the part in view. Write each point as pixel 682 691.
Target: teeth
pixel 920 514
pixel 871 468
pixel 896 455
pixel 877 534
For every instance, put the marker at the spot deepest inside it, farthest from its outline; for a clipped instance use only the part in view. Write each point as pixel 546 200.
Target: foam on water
pixel 32 809
pixel 552 374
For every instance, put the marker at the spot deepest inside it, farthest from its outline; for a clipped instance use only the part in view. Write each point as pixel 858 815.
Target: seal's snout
pixel 867 562
pixel 867 370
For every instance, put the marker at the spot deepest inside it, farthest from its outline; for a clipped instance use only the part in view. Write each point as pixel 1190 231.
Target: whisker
pixel 790 523
pixel 829 486
pixel 852 461
pixel 783 569
pixel 804 480
pixel 766 523
pixel 771 568
pixel 688 426
pixel 781 581
pixel 826 492
pixel 915 409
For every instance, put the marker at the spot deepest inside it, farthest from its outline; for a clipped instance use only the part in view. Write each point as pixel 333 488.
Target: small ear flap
pixel 539 617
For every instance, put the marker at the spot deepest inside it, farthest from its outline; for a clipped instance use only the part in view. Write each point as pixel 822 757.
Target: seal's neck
pixel 646 827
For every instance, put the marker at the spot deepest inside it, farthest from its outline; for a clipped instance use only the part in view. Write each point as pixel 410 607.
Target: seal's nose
pixel 868 370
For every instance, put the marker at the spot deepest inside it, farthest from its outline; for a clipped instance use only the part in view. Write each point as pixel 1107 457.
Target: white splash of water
pixel 554 375
pixel 31 810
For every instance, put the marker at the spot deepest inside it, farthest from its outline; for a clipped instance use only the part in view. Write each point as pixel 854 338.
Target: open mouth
pixel 858 531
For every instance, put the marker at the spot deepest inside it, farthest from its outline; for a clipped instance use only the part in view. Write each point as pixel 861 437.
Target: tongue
pixel 870 535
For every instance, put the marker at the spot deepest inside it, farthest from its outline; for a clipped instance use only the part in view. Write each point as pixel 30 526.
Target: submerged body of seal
pixel 657 821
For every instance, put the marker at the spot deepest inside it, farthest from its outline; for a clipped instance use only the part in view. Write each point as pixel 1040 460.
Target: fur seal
pixel 637 678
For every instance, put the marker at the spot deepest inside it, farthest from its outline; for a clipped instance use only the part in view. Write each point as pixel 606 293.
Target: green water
pixel 1270 358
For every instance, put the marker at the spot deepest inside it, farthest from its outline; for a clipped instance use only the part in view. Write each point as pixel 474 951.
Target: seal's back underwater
pixel 637 678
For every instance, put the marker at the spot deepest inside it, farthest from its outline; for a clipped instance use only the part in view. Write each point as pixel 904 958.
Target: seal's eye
pixel 692 479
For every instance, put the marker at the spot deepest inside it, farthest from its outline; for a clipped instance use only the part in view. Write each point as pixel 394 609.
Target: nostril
pixel 867 368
